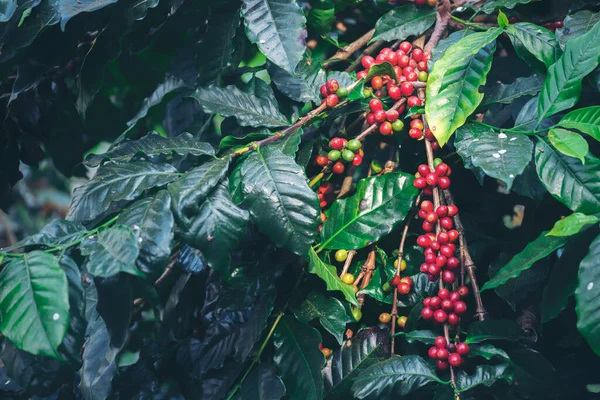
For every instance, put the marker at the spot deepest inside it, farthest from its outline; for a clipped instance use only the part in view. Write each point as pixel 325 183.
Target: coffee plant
pixel 303 199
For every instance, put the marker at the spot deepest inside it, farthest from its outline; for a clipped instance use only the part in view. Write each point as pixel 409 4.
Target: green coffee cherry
pixel 334 155
pixel 354 144
pixel 367 93
pixel 341 255
pixel 437 161
pixel 376 167
pixel 397 125
pixel 348 155
pixel 342 92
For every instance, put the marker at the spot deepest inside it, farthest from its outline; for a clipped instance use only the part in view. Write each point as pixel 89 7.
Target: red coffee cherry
pixel 453 263
pixel 380 116
pixel 441 169
pixel 338 168
pixel 423 240
pixel 332 85
pixel 440 316
pixel 336 143
pixel 444 294
pixel 423 169
pixel 442 354
pixel 454 297
pixel 420 183
pixel 394 92
pixel 417 54
pixel 453 319
pixel 441 261
pixel 385 128
pixel 441 365
pixel 445 222
pixel 448 277
pixel 332 100
pixel 413 101
pixel 428 226
pixel 460 308
pixel 403 288
pixel 407 89
pixel 375 104
pixel 447 305
pixel 455 360
pixel 417 123
pixel 444 182
pixel 392 115
pixel 367 61
pixel 432 352
pixel 427 313
pixel 463 291
pixel 452 211
pixel 443 238
pixel 435 302
pixel 440 342
pixel 415 133
pixel 462 349
pixel 395 281
pixel 321 160
pixel 324 91
pixel 405 47
pixel 426 206
pixel 377 82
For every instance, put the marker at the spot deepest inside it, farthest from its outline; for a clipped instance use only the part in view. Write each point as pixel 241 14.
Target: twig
pixel 443 16
pixel 351 255
pixel 10 234
pixel 348 50
pixel 368 51
pixel 367 273
pixel 373 127
pixel 168 270
pixel 347 182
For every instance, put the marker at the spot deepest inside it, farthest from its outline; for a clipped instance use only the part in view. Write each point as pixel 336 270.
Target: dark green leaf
pixel 587 296
pixel 330 311
pixel 116 182
pixel 364 349
pixel 427 337
pixel 56 233
pixel 536 250
pixel 499 155
pixel 329 274
pixel 189 191
pixel 506 94
pixel 385 68
pixel 217 228
pixel 151 220
pixel 534 373
pixel 453 84
pixel 586 120
pixel 533 40
pixel 234 142
pixel 489 329
pixel 248 109
pixel 576 25
pixel 152 145
pixel 379 204
pixel 70 347
pixel 402 22
pixel 261 384
pixel 395 376
pixel 484 375
pixel 487 351
pixel 289 144
pixel 299 359
pixel 573 184
pixel 304 84
pixel 277 27
pixel 491 5
pixel 569 143
pixel 114 250
pixel 321 15
pixel 280 201
pixel 34 300
pixel 562 87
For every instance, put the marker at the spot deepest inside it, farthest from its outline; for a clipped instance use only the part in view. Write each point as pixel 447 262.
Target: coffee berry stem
pixel 374 127
pixel 347 263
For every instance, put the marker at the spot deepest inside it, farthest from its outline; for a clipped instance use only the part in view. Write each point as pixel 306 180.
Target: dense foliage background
pixel 193 260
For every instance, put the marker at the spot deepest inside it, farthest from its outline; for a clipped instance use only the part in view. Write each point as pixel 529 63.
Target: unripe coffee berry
pixel 354 144
pixel 341 255
pixel 356 314
pixel 384 318
pixel 348 279
pixel 348 155
pixel 326 352
pixel 402 321
pixel 422 76
pixel 334 155
pixel 397 125
pixel 342 92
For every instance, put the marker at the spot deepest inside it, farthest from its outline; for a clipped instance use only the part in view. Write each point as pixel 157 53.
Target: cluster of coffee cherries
pixel 331 92
pixel 440 249
pixel 326 195
pixel 448 354
pixel 388 120
pixel 426 179
pixel 385 318
pixel 342 151
pixel 418 131
pixel 447 306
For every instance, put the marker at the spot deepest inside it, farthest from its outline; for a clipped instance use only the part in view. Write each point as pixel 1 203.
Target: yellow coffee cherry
pixel 348 279
pixel 341 255
pixel 384 318
pixel 402 264
pixel 402 321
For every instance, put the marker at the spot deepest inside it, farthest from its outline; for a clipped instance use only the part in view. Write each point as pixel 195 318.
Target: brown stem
pixel 373 127
pixel 347 51
pixel 367 271
pixel 351 255
pixel 347 182
pixel 168 270
pixel 443 16
pixel 368 51
pixel 469 264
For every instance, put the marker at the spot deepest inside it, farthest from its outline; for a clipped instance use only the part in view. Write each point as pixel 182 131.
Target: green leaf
pixel 385 68
pixel 329 274
pixel 114 250
pixel 499 155
pixel 379 204
pixel 484 375
pixel 277 27
pixel 34 299
pixel 427 337
pixel 402 22
pixel 189 191
pixel 280 201
pixel 117 182
pixel 586 120
pixel 248 109
pixel 57 233
pixel 487 351
pixel 481 331
pixel 502 20
pixel 151 146
pixel 576 25
pixel 217 228
pixel 299 359
pixel 261 384
pixel 304 84
pixel 562 87
pixel 541 247
pixel 321 15
pixel 443 45
pixel 289 144
pixel 151 220
pixel 364 349
pixel 534 373
pixel 587 296
pixel 397 375
pixel 572 224
pixel 507 93
pixel 491 5
pixel 533 40
pixel 569 143
pixel 330 311
pixel 573 184
pixel 453 84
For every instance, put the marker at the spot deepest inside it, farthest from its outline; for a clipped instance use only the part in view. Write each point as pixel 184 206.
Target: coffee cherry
pixel 460 308
pixel 420 183
pixel 338 168
pixel 405 47
pixel 426 206
pixel 463 291
pixel 356 314
pixel 417 124
pixel 448 277
pixel 321 160
pixel 408 280
pixel 446 222
pixel 453 233
pixel 403 288
pixel 402 265
pixel 336 143
pixel 395 281
pixel 454 297
pixel 402 321
pixel 394 92
pixel 440 342
pixel 397 125
pixel 452 211
pixel 380 58
pixel 403 61
pixel 322 204
pixel 407 89
pixel 332 100
pixel 440 316
pixel 428 226
pixel 375 104
pixel 423 241
pixel 462 349
pixel 453 263
pixel 361 75
pixel 417 55
pixel 413 101
pixel 392 116
pixel 392 57
pixel 441 365
pixel 424 268
pixel 348 155
pixel 354 144
pixel 367 62
pixel 384 318
pixel 370 118
pixel 334 155
pixel 376 82
pixel 357 160
pixel 326 352
pixel 431 179
pixel 343 92
pixel 441 211
pixel 423 169
pixel 422 75
pixel 441 169
pixel 333 85
pixel 427 313
pixel 443 238
pixel 415 134
pixel 386 287
pixel 431 217
pixel 442 354
pixel 412 77
pixel 348 279
pixel 323 90
pixel 444 182
pixel 380 116
pixel 432 352
pixel 453 319
pixel 426 301
pixel 447 305
pixel 341 255
pixel 455 360
pixel 367 92
pixel 385 128
pixel 435 245
pixel 429 258
pixel 432 3
pixel 441 261
pixel 435 302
